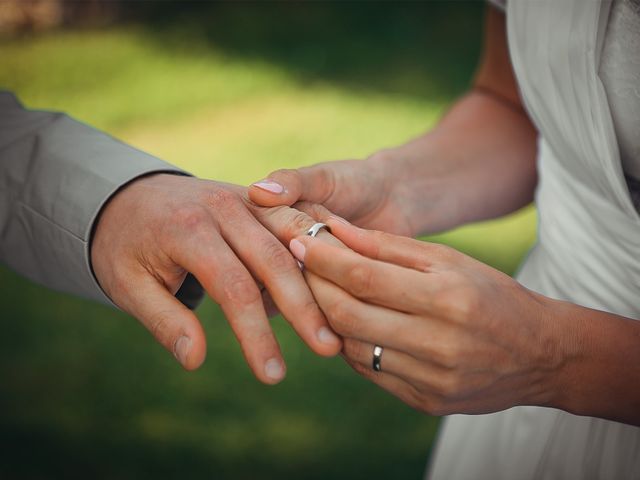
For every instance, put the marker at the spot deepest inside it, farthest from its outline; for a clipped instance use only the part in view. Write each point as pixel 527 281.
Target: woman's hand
pixel 458 336
pixel 477 163
pixel 364 191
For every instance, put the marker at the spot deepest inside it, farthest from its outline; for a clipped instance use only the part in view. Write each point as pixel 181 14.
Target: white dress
pixel 588 249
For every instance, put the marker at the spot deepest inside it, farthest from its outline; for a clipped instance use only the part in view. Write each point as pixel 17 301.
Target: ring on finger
pixel 316 227
pixel 377 358
pixel 312 232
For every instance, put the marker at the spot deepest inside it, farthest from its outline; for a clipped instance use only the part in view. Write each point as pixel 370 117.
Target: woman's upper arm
pixel 495 73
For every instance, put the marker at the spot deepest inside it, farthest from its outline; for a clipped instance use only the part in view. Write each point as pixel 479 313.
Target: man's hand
pixel 160 227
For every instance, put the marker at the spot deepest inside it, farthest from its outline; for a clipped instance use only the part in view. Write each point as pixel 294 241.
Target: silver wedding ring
pixel 377 357
pixel 312 232
pixel 316 227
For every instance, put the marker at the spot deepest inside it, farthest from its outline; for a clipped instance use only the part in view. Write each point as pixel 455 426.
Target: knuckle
pixel 326 178
pixel 241 290
pixel 299 222
pixel 222 200
pixel 360 280
pixel 159 327
pixel 262 338
pixel 378 238
pixel 421 381
pixel 341 319
pixel 310 308
pixel 467 304
pixel 314 210
pixel 303 311
pixel 458 303
pixel 255 340
pixel 353 349
pixel 447 355
pixel 449 386
pixel 189 218
pixel 277 257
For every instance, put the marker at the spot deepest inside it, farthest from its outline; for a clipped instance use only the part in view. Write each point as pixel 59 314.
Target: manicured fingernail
pixel 298 249
pixel 181 349
pixel 273 369
pixel 269 186
pixel 327 336
pixel 338 219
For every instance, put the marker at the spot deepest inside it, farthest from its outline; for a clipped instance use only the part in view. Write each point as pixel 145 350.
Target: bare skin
pixel 162 226
pixel 477 163
pixel 459 336
pixel 462 337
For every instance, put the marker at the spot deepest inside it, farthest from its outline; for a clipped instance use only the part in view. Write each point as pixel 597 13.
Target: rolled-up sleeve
pixel 55 176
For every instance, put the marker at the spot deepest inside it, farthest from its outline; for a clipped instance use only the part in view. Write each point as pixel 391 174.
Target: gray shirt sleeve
pixel 55 175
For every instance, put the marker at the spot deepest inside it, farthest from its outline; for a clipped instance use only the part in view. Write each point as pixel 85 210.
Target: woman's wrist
pixel 558 349
pixel 477 163
pixel 597 362
pixel 422 189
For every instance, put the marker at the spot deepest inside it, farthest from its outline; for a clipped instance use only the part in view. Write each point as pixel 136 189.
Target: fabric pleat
pixel 588 249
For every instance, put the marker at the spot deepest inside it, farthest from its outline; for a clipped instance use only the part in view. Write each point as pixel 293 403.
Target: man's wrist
pixel 122 199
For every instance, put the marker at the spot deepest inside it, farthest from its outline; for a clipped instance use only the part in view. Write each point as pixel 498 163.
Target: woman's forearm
pixel 599 375
pixel 478 163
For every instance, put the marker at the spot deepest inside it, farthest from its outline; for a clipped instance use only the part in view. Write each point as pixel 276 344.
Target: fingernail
pixel 269 186
pixel 298 249
pixel 338 219
pixel 181 349
pixel 327 336
pixel 273 369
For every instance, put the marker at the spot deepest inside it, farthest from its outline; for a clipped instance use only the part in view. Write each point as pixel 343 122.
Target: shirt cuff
pixel 56 175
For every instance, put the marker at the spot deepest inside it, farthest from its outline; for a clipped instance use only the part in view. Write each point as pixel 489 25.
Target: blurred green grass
pixel 84 392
